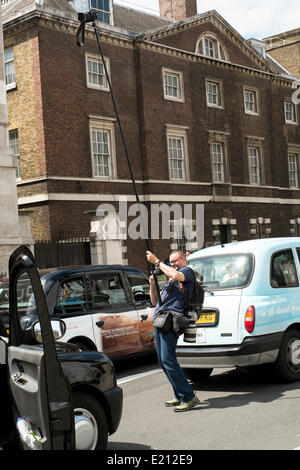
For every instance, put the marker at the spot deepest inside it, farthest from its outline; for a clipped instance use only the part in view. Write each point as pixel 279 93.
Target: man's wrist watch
pixel 156 264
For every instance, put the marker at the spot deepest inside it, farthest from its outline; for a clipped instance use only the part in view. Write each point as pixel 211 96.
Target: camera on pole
pixel 84 18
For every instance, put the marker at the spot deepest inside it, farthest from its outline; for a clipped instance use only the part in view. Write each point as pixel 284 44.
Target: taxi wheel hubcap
pixel 293 354
pixel 86 429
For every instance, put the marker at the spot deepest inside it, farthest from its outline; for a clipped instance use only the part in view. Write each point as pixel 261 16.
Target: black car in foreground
pixel 53 395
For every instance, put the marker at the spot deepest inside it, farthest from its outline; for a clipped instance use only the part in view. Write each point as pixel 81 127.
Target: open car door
pixel 40 390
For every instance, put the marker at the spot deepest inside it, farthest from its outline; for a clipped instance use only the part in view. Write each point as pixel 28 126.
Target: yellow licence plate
pixel 207 317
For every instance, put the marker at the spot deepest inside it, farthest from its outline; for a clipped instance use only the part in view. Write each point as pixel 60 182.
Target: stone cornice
pixel 20 23
pixel 40 17
pixel 283 45
pixel 193 57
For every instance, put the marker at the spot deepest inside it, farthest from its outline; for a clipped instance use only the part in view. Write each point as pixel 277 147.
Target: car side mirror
pixel 140 296
pixel 58 328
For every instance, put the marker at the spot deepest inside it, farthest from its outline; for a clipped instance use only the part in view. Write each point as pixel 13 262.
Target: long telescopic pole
pixel 126 152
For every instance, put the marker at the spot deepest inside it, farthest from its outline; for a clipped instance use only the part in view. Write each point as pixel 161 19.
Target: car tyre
pixel 287 365
pixel 91 430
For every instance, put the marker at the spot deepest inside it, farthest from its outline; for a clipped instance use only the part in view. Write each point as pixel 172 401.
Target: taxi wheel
pixel 287 365
pixel 91 430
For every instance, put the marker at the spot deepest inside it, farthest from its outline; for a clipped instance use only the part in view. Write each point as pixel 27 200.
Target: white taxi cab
pixel 251 309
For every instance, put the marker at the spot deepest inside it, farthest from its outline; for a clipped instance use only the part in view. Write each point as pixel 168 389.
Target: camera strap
pixel 81 29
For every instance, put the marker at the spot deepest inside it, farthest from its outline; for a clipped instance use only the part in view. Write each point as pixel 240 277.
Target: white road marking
pixel 137 376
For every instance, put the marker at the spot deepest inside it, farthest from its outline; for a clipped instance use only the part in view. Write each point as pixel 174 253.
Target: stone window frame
pixel 219 51
pixel 181 234
pixel 180 85
pixel 231 228
pixel 295 227
pixel 219 85
pixel 11 60
pixel 255 93
pixel 180 133
pixel 260 227
pixel 107 126
pixel 96 58
pixel 295 112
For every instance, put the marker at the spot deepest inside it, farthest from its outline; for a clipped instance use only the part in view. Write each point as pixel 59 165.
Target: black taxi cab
pixel 53 395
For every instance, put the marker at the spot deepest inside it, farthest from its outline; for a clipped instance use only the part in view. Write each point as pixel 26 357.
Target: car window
pixel 26 305
pixel 223 271
pixel 71 298
pixel 140 287
pixel 3 296
pixel 106 289
pixel 283 270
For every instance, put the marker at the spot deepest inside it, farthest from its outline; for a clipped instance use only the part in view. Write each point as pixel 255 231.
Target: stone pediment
pixel 184 35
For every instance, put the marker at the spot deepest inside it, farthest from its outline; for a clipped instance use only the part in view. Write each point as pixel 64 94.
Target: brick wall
pixel 288 56
pixel 25 104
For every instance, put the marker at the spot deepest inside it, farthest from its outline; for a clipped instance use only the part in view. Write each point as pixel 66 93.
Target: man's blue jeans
pixel 166 353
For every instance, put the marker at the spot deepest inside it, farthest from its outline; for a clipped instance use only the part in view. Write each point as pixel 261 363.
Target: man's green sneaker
pixel 186 406
pixel 173 402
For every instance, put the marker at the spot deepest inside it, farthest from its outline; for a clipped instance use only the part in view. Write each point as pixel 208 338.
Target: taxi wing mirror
pixel 58 328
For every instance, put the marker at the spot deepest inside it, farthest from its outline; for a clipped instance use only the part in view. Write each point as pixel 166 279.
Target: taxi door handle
pixel 144 317
pixel 99 324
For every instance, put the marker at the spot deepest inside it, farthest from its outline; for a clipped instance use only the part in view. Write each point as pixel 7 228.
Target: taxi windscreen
pixel 223 271
pixel 25 297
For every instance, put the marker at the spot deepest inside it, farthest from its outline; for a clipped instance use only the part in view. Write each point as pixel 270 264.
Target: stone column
pixel 10 231
pixel 106 240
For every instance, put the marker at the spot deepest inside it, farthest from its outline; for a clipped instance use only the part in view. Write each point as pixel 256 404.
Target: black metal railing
pixel 55 253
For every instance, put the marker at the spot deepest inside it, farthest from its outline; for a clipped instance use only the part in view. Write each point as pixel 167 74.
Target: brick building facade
pixel 285 49
pixel 207 120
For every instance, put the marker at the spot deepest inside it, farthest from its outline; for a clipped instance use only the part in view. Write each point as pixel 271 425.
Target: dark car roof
pixel 57 273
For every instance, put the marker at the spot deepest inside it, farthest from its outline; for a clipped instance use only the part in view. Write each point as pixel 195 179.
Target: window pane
pixel 293 170
pixel 176 169
pixel 8 54
pixel 172 85
pixel 103 9
pixel 176 158
pixel 283 271
pixel 106 289
pixel 140 288
pixel 96 73
pixel 224 271
pixel 290 114
pixel 213 93
pixel 209 47
pixel 101 151
pixel 26 305
pixel 71 297
pixel 9 73
pixel 217 156
pixel 14 148
pixel 250 101
pixel 254 165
